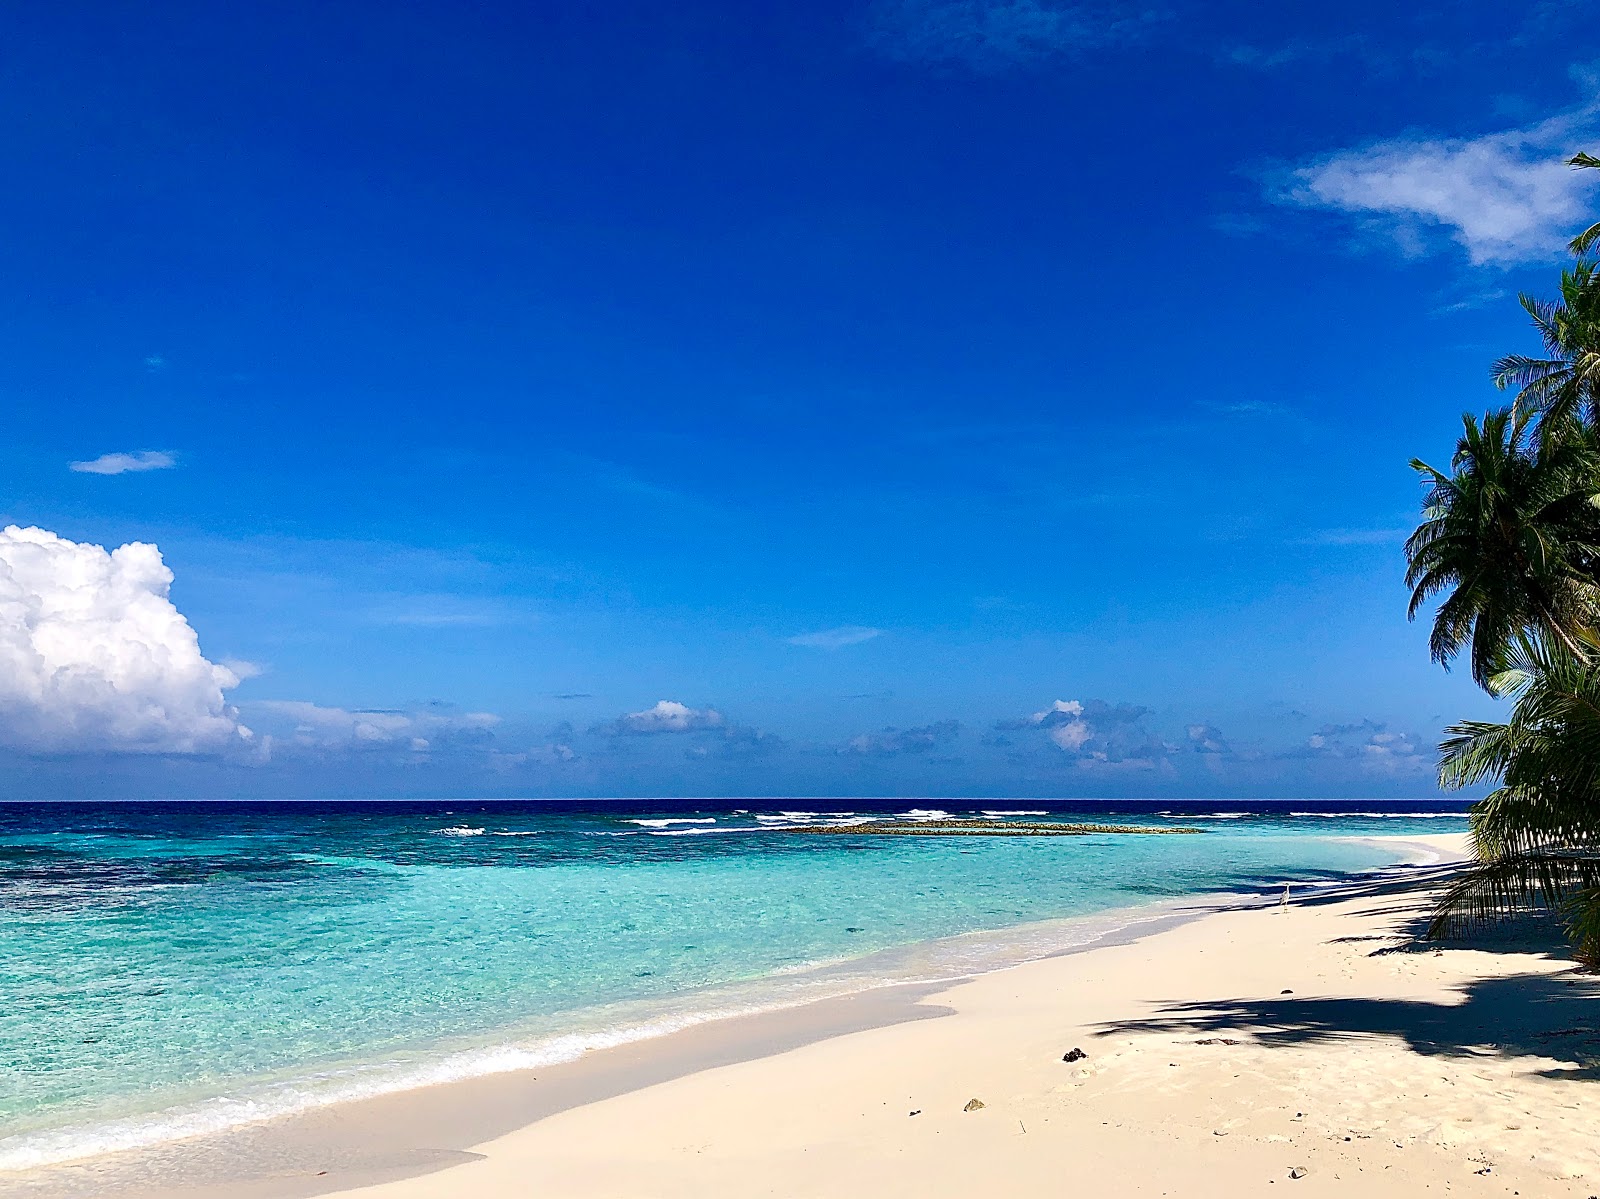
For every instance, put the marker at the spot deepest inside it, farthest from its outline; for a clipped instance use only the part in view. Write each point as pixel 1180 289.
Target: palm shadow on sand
pixel 1527 1014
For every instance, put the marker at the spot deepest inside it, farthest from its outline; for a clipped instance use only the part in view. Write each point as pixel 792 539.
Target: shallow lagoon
pixel 170 967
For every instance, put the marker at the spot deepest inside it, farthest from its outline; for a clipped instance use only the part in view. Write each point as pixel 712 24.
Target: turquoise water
pixel 170 968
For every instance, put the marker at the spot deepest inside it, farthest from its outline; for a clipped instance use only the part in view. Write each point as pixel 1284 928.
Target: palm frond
pixel 1512 884
pixel 1590 237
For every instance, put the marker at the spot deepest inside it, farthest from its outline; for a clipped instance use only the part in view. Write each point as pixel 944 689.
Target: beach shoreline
pixel 1311 1044
pixel 424 1131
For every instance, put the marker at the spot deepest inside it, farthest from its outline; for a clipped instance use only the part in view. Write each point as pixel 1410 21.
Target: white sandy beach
pixel 1224 1058
pixel 1304 1046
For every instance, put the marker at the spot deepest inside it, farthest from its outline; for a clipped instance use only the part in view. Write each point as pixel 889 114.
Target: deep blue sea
pixel 171 968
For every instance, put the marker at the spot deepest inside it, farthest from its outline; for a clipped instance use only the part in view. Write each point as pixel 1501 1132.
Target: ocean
pixel 174 968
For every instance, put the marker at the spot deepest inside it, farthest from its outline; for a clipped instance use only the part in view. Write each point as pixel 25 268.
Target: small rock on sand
pixel 974 1105
pixel 1298 1171
pixel 1074 1055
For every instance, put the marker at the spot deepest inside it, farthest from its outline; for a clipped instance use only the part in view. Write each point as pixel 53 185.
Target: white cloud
pixel 311 726
pixel 121 464
pixel 1369 743
pixel 987 35
pixel 1090 731
pixel 1070 736
pixel 1064 720
pixel 1206 739
pixel 836 638
pixel 95 657
pixel 1062 707
pixel 1505 197
pixel 668 716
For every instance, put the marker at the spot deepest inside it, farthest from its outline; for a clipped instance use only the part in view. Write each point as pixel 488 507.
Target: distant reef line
pixel 982 828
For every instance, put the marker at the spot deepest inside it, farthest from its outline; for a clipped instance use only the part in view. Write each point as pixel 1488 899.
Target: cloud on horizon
pixel 893 742
pixel 99 665
pixel 1369 743
pixel 667 716
pixel 1095 733
pixel 1505 198
pixel 94 656
pixel 306 725
pixel 125 463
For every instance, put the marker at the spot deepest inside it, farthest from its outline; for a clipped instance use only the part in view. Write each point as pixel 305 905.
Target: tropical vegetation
pixel 1509 545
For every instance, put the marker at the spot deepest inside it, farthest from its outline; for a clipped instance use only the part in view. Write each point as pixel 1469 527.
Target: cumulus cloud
pixel 708 734
pixel 1369 743
pixel 417 730
pixel 95 657
pixel 850 634
pixel 667 716
pixel 122 464
pixel 1093 731
pixel 990 35
pixel 1206 739
pixel 1395 751
pixel 1504 197
pixel 892 742
pixel 1065 724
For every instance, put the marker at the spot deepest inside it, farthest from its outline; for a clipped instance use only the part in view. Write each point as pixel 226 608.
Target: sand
pixel 1311 1046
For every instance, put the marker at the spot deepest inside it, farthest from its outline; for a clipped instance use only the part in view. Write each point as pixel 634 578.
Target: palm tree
pixel 1566 382
pixel 1513 534
pixel 1588 239
pixel 1537 836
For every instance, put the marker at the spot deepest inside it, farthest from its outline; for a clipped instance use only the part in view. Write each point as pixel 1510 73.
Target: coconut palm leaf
pixel 1547 755
pixel 1510 546
pixel 1565 383
pixel 1565 882
pixel 1509 538
pixel 1537 835
pixel 1513 821
pixel 1590 237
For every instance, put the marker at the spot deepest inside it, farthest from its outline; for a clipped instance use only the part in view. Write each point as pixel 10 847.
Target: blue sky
pixel 939 397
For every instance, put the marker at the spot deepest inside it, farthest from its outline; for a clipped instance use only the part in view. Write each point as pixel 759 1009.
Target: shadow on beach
pixel 1527 1014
